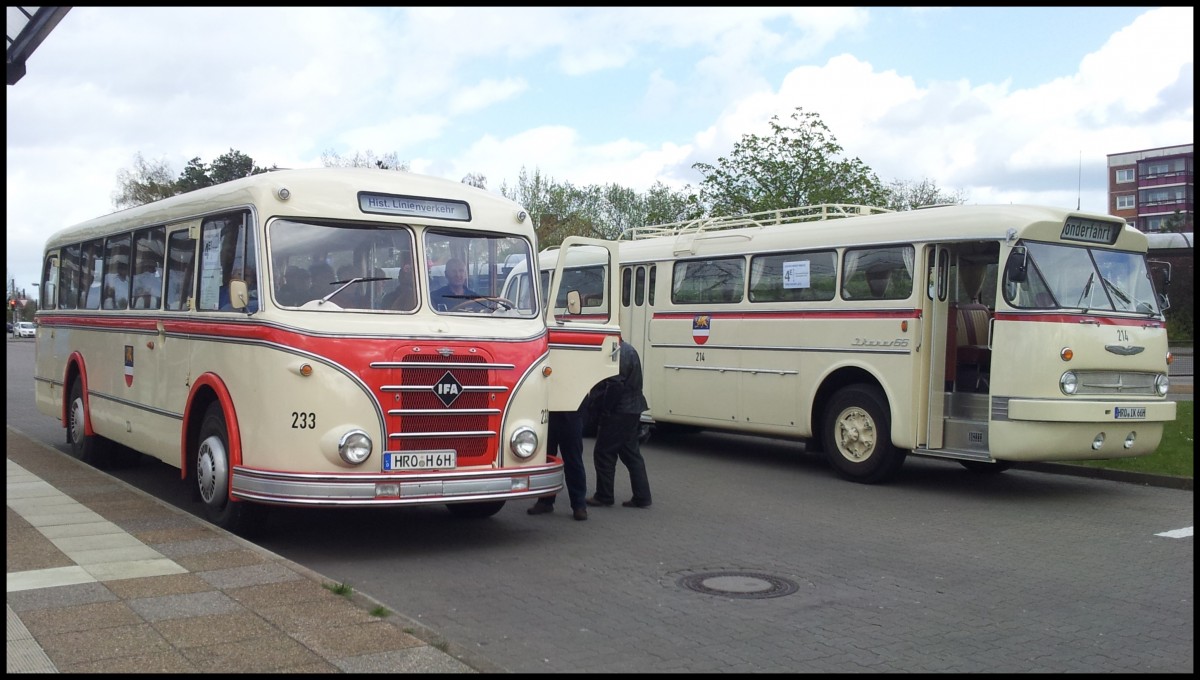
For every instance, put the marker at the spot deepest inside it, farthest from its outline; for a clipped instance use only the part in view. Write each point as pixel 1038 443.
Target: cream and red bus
pixel 980 334
pixel 283 340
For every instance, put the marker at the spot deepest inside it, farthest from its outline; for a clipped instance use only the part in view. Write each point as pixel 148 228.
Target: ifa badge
pixel 700 325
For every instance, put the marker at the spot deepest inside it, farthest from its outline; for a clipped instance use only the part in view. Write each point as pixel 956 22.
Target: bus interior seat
pixel 970 350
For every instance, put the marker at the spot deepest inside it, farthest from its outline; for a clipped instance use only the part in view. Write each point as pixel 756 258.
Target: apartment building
pixel 1153 188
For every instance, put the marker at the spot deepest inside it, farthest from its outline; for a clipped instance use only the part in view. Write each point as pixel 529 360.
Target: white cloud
pixel 486 93
pixel 585 95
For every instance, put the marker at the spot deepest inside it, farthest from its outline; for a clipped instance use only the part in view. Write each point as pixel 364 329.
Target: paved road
pixel 792 569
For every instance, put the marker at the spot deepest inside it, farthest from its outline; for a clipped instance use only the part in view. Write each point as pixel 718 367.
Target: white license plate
pixel 419 460
pixel 1129 412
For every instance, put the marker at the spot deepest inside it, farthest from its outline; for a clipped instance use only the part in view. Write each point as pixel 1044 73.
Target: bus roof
pixel 935 224
pixel 310 192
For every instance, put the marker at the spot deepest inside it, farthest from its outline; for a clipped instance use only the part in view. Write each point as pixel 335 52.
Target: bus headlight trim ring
pixel 355 447
pixel 524 442
pixel 1069 382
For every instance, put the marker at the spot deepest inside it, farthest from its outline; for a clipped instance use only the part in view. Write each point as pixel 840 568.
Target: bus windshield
pixel 356 267
pixel 1091 279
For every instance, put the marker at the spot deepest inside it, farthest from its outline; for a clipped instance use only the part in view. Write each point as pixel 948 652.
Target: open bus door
pixel 583 349
pixel 936 322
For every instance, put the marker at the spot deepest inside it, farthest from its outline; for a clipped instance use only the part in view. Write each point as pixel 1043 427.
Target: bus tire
pixel 858 436
pixel 91 449
pixel 981 468
pixel 478 510
pixel 212 471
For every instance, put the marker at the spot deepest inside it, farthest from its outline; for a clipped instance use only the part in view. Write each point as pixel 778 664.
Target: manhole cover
pixel 746 585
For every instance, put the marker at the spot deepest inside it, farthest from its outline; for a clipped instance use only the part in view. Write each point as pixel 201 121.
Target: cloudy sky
pixel 1007 105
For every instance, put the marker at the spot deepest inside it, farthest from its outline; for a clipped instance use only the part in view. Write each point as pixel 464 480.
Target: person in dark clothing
pixel 621 406
pixel 564 438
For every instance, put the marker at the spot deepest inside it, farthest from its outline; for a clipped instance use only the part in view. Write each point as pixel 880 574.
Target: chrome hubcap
pixel 77 421
pixel 212 471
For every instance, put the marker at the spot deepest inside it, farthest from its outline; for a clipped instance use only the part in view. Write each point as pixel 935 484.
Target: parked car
pixel 10 329
pixel 26 329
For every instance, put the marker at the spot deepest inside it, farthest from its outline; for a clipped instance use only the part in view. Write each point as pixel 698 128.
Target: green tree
pixel 661 205
pixel 795 165
pixel 233 165
pixel 146 182
pixel 909 195
pixel 194 176
pixel 560 209
pixel 151 181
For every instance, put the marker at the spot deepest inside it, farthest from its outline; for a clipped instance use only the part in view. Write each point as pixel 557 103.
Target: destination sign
pixel 1090 231
pixel 414 206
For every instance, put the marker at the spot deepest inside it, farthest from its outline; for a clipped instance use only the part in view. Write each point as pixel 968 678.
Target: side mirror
pixel 239 294
pixel 1017 268
pixel 1161 277
pixel 574 302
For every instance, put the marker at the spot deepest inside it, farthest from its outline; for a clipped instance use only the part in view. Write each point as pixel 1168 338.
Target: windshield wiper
pixel 1116 290
pixel 1087 289
pixel 346 284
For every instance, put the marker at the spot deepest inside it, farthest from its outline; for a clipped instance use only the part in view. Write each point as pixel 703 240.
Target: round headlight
pixel 524 442
pixel 1162 383
pixel 355 447
pixel 1068 383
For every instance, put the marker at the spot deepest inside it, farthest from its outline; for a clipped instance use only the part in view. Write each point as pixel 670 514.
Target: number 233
pixel 303 421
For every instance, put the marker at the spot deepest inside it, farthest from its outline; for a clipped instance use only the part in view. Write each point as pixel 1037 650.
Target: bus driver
pixel 455 292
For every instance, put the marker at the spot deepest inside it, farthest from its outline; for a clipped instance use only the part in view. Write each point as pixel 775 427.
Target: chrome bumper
pixel 387 490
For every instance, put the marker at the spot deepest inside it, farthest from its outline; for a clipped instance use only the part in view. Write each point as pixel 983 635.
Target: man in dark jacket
pixel 621 406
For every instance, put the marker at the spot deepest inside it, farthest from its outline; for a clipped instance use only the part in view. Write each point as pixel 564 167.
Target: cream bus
pixel 980 334
pixel 280 340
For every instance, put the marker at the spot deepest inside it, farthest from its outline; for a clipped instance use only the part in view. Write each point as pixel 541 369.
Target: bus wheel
pixel 475 510
pixel 91 449
pixel 212 477
pixel 981 468
pixel 858 436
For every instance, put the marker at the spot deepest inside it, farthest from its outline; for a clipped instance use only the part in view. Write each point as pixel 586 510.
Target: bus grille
pixel 468 425
pixel 1116 382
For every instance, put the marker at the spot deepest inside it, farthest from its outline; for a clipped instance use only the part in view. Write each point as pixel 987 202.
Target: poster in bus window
pixel 796 274
pixel 210 271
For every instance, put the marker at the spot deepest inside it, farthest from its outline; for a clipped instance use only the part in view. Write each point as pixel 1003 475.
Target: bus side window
pixel 878 273
pixel 69 277
pixel 181 261
pixel 116 278
pixel 226 257
pixel 49 297
pixel 92 272
pixel 147 267
pixel 708 281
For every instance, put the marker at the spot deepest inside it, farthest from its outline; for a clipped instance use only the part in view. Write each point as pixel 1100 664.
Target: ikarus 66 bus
pixel 980 334
pixel 322 337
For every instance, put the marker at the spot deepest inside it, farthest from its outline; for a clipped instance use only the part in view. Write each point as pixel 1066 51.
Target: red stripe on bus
pixel 816 314
pixel 351 351
pixel 1058 317
pixel 561 336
